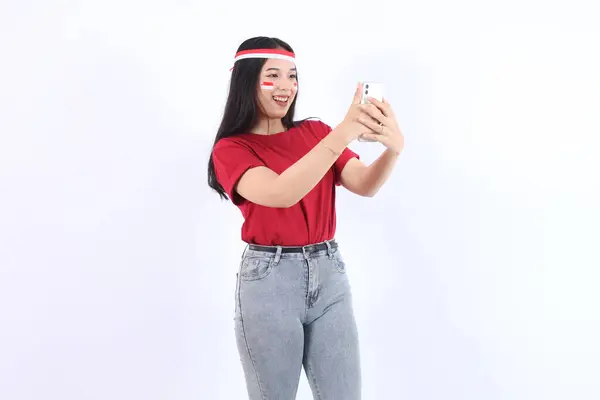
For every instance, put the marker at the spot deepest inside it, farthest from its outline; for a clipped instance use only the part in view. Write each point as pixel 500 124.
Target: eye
pixel 293 76
pixel 272 75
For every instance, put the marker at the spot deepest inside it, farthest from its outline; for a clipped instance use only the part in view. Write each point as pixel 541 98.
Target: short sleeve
pixel 232 159
pixel 343 159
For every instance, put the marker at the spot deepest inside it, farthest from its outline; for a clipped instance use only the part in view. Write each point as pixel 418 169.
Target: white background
pixel 475 269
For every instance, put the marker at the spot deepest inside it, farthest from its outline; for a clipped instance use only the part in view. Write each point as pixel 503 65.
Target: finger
pixel 374 112
pixel 382 106
pixel 372 124
pixel 388 108
pixel 357 94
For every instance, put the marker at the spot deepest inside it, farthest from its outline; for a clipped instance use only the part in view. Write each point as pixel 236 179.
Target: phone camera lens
pixel 367 86
pixel 366 92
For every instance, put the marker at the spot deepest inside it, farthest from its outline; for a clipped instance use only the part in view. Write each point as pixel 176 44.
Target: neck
pixel 268 126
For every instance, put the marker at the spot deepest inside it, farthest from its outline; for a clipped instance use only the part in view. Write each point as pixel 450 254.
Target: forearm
pixel 300 178
pixel 376 174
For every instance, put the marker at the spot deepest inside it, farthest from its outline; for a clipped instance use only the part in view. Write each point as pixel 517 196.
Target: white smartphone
pixel 370 89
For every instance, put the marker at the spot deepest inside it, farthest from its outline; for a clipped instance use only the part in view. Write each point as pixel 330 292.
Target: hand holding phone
pixel 374 90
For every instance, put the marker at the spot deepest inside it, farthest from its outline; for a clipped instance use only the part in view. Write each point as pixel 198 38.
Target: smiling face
pixel 277 88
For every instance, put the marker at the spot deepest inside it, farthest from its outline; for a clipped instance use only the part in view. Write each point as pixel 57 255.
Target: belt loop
pixel 304 253
pixel 329 251
pixel 277 255
pixel 245 250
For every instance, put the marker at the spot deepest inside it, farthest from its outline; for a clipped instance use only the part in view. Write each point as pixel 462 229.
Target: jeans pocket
pixel 255 268
pixel 339 262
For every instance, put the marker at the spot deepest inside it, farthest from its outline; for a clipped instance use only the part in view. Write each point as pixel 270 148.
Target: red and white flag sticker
pixel 267 85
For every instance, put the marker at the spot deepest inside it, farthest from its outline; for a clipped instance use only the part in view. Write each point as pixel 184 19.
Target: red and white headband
pixel 265 53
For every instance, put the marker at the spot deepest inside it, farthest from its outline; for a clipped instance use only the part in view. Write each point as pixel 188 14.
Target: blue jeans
pixel 294 309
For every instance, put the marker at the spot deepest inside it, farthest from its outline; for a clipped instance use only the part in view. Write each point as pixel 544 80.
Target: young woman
pixel 293 304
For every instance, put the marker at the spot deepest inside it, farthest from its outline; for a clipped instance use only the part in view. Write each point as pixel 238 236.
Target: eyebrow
pixel 278 69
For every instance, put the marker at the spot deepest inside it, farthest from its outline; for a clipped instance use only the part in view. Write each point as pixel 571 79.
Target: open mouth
pixel 281 100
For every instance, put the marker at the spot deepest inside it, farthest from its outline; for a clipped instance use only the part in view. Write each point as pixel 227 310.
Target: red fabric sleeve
pixel 232 159
pixel 343 159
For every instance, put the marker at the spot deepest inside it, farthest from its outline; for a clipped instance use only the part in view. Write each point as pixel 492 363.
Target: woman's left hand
pixel 383 123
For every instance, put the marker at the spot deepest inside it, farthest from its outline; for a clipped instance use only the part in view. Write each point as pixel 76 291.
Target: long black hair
pixel 241 108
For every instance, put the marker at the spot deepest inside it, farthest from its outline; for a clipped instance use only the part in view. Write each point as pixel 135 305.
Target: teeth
pixel 278 98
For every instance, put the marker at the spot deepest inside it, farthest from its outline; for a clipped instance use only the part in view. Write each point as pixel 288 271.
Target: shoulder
pixel 237 142
pixel 315 126
pixel 232 149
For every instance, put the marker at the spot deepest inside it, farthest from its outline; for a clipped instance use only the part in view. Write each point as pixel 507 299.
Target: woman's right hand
pixel 350 127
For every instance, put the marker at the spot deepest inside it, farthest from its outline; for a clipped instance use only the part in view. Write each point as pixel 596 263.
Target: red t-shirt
pixel 312 219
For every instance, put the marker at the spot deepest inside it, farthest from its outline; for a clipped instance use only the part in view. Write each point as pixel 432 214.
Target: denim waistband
pixel 311 248
pixel 326 248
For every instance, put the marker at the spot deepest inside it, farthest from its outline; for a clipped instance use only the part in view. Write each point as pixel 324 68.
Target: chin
pixel 279 114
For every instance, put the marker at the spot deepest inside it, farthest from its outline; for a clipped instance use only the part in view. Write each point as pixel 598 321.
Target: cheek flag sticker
pixel 271 85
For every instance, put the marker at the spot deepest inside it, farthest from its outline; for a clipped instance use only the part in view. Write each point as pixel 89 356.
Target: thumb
pixel 357 94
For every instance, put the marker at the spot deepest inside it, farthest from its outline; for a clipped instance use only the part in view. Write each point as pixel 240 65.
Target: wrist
pixel 342 135
pixel 393 153
pixel 334 144
pixel 337 141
